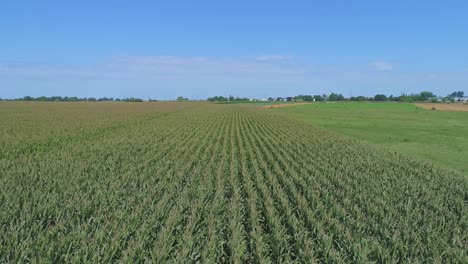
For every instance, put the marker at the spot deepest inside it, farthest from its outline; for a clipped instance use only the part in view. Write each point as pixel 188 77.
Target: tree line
pixel 424 96
pixel 414 97
pixel 74 99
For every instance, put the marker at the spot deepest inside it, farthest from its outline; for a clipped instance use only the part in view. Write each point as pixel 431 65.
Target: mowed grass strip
pixel 222 183
pixel 436 136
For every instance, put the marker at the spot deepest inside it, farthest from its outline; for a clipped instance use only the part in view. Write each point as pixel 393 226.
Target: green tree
pixel 358 98
pixel 457 94
pixel 380 97
pixel 335 97
pixel 318 98
pixel 426 96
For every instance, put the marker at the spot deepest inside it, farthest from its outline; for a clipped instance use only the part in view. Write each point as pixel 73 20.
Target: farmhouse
pixel 461 99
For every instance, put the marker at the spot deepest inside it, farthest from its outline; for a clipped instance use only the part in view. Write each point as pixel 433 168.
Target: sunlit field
pixel 211 183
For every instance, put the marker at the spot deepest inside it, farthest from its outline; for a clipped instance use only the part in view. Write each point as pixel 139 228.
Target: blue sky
pixel 162 49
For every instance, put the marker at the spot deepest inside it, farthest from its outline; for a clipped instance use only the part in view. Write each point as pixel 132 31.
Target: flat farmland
pixel 437 136
pixel 197 182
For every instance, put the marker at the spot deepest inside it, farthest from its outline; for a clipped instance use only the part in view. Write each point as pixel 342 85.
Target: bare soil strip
pixel 445 107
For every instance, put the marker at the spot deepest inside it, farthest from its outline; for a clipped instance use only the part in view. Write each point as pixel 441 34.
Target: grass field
pixel 438 136
pixel 194 182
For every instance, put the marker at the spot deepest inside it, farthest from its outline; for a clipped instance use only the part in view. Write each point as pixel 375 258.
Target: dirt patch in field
pixel 283 105
pixel 445 107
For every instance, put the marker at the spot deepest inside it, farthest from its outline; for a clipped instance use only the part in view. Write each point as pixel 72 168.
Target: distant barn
pixel 461 99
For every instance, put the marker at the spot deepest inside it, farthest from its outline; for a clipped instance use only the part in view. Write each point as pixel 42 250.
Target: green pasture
pixel 437 136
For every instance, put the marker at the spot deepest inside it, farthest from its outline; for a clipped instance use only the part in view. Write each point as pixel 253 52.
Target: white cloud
pixel 383 65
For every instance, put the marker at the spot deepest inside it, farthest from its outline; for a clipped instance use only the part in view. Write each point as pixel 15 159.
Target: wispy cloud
pixel 199 76
pixel 162 67
pixel 273 57
pixel 383 65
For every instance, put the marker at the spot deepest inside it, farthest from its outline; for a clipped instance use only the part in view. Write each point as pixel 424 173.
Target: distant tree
pixel 318 98
pixel 457 94
pixel 332 97
pixel 181 98
pixel 423 96
pixel 426 96
pixel 380 97
pixel 217 99
pixel 92 99
pixel 55 99
pixel 358 98
pixel 132 99
pixel 406 98
pixel 335 97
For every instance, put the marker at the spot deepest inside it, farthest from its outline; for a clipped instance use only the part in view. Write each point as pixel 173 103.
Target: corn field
pixel 194 182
